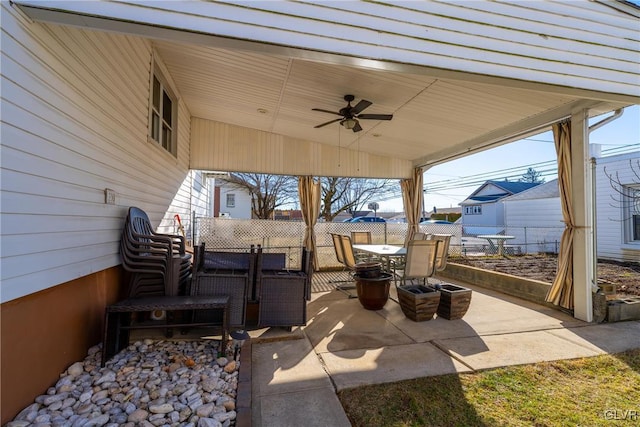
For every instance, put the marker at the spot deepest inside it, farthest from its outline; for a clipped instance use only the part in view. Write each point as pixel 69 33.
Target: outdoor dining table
pixel 385 252
pixel 499 241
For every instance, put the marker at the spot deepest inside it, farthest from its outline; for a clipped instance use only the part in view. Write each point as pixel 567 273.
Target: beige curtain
pixel 412 200
pixel 309 192
pixel 561 292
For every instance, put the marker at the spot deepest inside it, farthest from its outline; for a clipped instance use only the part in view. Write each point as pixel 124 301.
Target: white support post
pixel 583 250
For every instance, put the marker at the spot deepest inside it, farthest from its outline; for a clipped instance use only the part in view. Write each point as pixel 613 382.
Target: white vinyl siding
pixel 222 147
pixel 241 208
pixel 584 45
pixel 614 219
pixel 74 122
pixel 536 224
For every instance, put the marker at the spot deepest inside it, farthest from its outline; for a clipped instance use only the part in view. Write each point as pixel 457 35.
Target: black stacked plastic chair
pixel 157 263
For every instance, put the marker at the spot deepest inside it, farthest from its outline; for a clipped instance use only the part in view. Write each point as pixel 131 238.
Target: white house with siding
pixel 107 105
pixel 231 201
pixel 618 207
pixel 534 218
pixel 483 210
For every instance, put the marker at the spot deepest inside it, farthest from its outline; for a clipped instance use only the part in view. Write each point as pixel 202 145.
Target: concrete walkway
pixel 296 374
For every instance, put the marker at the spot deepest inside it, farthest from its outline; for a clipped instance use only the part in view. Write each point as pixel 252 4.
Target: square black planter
pixel 454 301
pixel 418 302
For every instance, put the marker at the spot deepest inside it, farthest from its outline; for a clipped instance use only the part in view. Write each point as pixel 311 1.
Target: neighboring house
pixel 230 200
pixel 483 211
pixel 618 207
pixel 534 218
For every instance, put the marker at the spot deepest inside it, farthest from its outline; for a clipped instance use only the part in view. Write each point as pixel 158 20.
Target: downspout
pixel 594 235
pixel 616 115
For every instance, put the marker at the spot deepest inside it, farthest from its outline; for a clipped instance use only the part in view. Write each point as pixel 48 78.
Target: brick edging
pixel 243 395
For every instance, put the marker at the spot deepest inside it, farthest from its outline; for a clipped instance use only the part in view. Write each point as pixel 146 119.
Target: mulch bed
pixel 625 275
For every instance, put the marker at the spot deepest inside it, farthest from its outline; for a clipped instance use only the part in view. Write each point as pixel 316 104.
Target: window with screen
pixel 163 112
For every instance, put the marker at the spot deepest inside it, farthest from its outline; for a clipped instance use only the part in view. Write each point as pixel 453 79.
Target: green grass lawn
pixel 595 391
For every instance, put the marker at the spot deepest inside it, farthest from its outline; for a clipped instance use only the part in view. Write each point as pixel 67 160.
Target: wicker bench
pixel 117 323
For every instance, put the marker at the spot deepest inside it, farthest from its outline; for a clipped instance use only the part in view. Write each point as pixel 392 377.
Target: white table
pixel 383 251
pixel 499 241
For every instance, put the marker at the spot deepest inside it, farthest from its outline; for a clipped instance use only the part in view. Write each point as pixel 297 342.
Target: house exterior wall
pixel 193 197
pixel 74 122
pixel 612 217
pixel 224 147
pixel 536 224
pixel 242 208
pixel 490 221
pixel 42 334
pixel 442 35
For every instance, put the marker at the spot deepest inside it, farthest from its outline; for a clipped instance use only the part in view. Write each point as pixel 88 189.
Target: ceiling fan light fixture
pixel 349 123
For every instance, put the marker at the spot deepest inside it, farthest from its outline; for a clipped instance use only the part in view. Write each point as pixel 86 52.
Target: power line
pixel 546 169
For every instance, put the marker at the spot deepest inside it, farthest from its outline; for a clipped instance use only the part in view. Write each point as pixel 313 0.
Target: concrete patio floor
pixel 296 374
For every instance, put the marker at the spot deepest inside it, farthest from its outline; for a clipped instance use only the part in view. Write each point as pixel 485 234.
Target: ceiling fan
pixel 350 115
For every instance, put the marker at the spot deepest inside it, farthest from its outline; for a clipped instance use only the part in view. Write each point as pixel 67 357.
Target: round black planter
pixel 373 292
pixel 368 269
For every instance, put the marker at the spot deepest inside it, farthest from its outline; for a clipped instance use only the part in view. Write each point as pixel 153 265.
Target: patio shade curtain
pixel 412 201
pixel 561 291
pixel 309 193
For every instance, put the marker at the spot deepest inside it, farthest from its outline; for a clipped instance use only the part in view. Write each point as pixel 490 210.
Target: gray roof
pixel 546 190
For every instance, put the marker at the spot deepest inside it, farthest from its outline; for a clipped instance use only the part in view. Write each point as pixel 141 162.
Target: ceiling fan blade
pixel 325 111
pixel 360 106
pixel 328 123
pixel 357 127
pixel 376 116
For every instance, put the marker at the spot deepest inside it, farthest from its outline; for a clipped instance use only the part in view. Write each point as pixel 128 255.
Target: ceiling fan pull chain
pixel 339 147
pixel 358 152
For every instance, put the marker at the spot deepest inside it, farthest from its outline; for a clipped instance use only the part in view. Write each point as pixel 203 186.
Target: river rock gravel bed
pixel 150 383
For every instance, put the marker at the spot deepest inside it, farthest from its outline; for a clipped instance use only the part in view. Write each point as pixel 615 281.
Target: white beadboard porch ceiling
pixel 457 76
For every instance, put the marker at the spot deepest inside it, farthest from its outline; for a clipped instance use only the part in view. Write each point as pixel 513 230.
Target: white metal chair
pixel 443 251
pixel 349 264
pixel 419 263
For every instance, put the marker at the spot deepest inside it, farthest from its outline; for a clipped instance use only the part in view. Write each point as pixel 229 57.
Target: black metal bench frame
pixel 117 321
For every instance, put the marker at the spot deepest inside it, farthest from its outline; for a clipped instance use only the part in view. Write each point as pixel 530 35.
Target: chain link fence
pixel 287 237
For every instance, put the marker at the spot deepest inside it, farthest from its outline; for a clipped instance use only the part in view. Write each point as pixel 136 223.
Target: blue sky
pixel 513 159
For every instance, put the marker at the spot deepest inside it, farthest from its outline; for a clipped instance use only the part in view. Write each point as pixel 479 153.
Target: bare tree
pixel 533 176
pixel 349 194
pixel 268 192
pixel 627 195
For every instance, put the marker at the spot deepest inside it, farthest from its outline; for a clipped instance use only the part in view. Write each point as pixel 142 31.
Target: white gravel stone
pixel 76 369
pixel 147 385
pixel 209 422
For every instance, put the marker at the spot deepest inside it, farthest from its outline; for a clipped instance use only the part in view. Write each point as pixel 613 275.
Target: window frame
pixel 631 214
pixel 473 210
pixel 230 197
pixel 158 118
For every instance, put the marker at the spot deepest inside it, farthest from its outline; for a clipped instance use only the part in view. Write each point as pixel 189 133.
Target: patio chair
pixel 157 263
pixel 420 262
pixel 443 251
pixel 340 256
pixel 362 237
